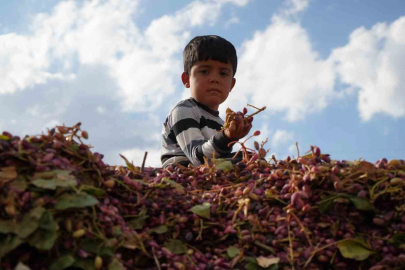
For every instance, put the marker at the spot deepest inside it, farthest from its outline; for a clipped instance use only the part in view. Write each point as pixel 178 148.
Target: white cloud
pixel 236 2
pixel 280 70
pixel 281 137
pixel 293 149
pixel 23 62
pixel 94 33
pixel 101 110
pixel 265 133
pixel 374 62
pixel 136 155
pixel 51 124
pixel 233 20
pixel 295 6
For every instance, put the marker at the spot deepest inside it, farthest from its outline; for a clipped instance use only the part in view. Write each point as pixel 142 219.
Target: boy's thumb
pixel 232 127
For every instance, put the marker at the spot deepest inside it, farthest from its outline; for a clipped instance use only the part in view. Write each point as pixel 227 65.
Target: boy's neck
pixel 213 112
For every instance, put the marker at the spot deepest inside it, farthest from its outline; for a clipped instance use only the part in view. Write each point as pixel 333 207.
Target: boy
pixel 190 132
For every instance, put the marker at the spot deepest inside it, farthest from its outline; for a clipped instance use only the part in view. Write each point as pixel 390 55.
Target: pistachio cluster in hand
pixel 238 117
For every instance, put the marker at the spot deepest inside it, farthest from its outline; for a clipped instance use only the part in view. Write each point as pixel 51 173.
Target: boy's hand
pixel 238 128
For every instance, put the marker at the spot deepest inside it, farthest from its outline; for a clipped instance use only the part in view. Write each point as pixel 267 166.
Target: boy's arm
pixel 186 129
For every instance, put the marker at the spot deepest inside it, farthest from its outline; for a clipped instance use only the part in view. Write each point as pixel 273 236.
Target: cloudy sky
pixel 331 72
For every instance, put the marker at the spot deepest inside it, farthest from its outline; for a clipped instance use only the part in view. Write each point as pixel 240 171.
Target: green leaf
pixel 75 148
pixel 67 201
pixel 30 222
pixel 116 265
pixel 159 229
pixel 243 178
pixel 45 237
pixel 176 246
pixel 250 259
pixel 397 239
pixel 326 204
pixel 361 204
pixel 86 264
pixel 96 247
pixel 47 222
pixel 224 165
pixel 60 178
pixel 252 266
pixel 233 251
pixel 98 192
pixel 137 223
pixel 4 137
pixel 111 242
pixel 130 166
pixel 8 226
pixel 62 263
pixel 117 230
pixel 179 188
pixel 9 243
pixel 203 210
pixel 354 249
pixel 19 183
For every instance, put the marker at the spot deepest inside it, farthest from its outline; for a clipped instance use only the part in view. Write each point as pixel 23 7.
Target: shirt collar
pixel 205 108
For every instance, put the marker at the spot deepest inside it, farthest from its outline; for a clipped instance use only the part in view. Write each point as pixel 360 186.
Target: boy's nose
pixel 214 78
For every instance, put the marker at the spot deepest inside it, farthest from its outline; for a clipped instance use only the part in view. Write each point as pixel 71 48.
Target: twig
pixel 250 105
pixel 321 248
pixel 302 227
pixel 143 162
pixel 156 259
pixel 257 243
pixel 199 237
pixel 258 110
pixel 291 248
pixel 298 150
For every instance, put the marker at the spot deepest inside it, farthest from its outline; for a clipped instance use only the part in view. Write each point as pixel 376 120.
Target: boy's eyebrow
pixel 225 68
pixel 208 66
pixel 204 66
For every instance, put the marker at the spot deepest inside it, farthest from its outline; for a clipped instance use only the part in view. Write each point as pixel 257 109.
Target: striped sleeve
pixel 186 126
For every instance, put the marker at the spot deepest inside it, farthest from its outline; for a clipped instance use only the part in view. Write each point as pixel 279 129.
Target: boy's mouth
pixel 214 90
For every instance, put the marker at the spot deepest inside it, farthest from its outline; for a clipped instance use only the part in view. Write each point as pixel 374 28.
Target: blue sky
pixel 330 72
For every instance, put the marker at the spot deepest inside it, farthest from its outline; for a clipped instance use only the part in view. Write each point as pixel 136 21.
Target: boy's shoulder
pixel 183 109
pixel 185 103
pixel 185 106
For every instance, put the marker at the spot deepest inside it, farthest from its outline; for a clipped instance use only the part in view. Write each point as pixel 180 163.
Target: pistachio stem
pixel 143 162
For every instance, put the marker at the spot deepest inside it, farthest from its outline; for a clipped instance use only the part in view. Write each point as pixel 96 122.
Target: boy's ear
pixel 185 78
pixel 232 84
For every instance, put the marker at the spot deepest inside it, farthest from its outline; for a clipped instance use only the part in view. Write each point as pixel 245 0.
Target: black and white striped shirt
pixel 191 130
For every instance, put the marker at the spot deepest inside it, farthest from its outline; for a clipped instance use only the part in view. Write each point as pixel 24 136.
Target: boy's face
pixel 210 82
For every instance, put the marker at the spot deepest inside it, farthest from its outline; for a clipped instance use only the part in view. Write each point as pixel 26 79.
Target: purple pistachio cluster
pixel 62 207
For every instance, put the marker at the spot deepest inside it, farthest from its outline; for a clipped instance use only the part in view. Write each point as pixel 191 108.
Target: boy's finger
pixel 232 127
pixel 247 128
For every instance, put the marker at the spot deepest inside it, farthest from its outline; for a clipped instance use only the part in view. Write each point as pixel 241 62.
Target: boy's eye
pixel 204 71
pixel 224 73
